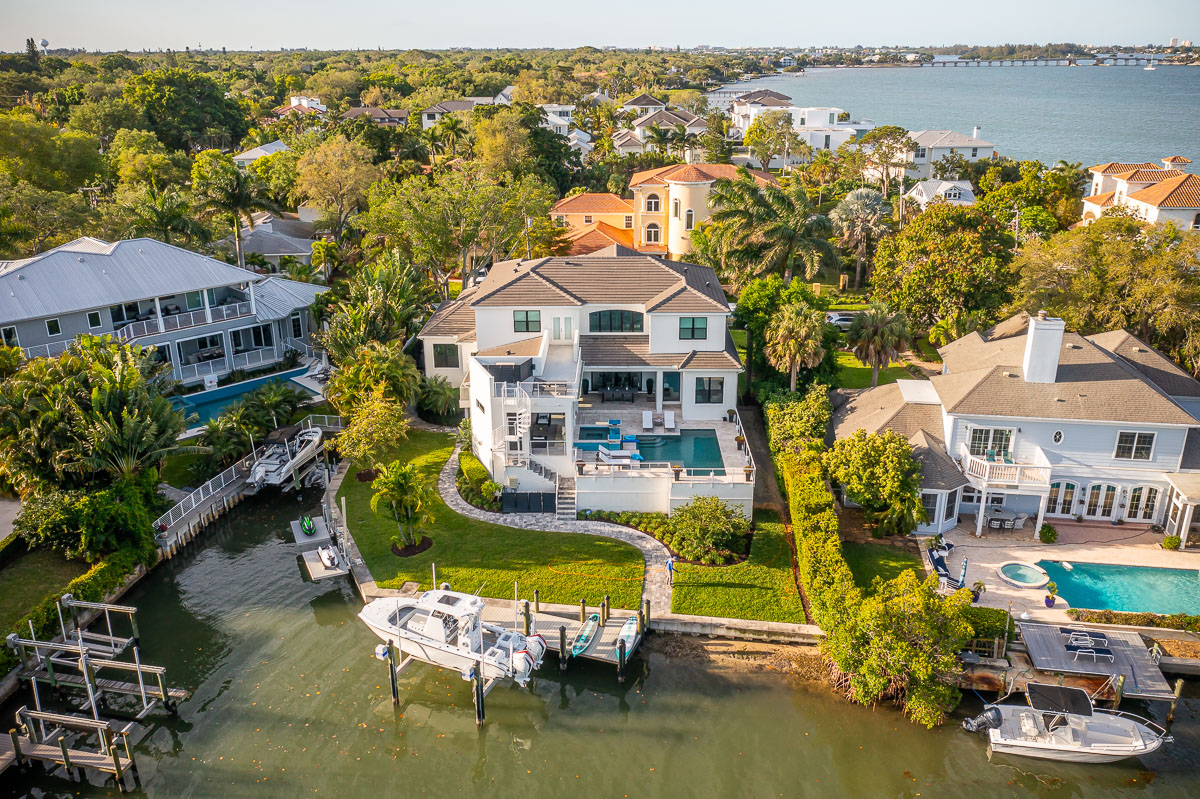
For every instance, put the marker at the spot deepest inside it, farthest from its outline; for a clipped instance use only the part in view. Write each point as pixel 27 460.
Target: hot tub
pixel 1022 575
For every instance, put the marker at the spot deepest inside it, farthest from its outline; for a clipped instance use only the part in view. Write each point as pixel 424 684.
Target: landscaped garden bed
pixel 706 531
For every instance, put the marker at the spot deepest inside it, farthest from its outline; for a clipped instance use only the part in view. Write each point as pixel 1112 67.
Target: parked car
pixel 840 319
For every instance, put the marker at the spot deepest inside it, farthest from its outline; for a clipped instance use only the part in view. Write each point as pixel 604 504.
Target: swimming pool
pixel 593 432
pixel 1105 586
pixel 209 404
pixel 695 449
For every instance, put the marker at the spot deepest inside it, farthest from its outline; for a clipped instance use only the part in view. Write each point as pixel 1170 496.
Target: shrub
pixel 990 622
pixel 1174 621
pixel 1048 534
pixel 878 472
pixel 475 472
pixel 709 530
pixel 1172 542
pixel 88 524
pixel 474 483
pixel 793 420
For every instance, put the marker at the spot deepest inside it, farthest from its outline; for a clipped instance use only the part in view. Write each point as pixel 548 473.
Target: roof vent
pixel 1008 374
pixel 1059 399
pixel 707 283
pixel 20 277
pixel 80 259
pixel 1139 349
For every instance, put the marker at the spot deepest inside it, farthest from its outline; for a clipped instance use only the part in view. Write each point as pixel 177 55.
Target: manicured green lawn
pixel 739 341
pixel 177 471
pixel 927 351
pixel 761 588
pixel 30 579
pixel 564 567
pixel 868 561
pixel 854 373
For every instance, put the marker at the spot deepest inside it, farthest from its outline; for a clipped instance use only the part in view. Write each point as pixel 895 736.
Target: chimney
pixel 1043 346
pixel 975 132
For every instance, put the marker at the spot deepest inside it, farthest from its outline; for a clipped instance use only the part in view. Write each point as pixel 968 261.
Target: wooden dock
pixel 603 647
pixel 109 686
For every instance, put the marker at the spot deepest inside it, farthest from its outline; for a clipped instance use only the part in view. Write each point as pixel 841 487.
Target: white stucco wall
pixel 664 334
pixel 692 410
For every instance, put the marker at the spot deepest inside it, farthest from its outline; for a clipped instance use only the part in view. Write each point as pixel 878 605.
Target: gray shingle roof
pixel 643 100
pixel 453 318
pixel 264 242
pixel 89 273
pixel 884 408
pixel 1152 364
pixel 939 472
pixel 946 138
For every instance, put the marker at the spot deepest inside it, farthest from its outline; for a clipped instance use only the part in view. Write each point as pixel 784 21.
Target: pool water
pixel 1023 574
pixel 695 449
pixel 209 404
pixel 1104 586
pixel 593 433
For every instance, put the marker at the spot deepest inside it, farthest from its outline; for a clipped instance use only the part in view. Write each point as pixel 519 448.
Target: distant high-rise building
pixel 1186 43
pixel 1174 41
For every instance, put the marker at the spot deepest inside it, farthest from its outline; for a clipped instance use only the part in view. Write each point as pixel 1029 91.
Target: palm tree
pixel 411 499
pixel 374 364
pixel 437 396
pixel 451 132
pixel 860 220
pixel 659 138
pixel 952 328
pixel 276 399
pixel 236 199
pixel 301 272
pixel 877 337
pixel 1074 170
pixel 432 139
pixel 823 170
pixel 161 214
pixel 682 140
pixel 794 339
pixel 121 445
pixel 770 228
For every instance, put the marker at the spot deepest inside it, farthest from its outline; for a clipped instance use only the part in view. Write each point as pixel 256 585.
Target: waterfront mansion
pixel 206 317
pixel 1153 193
pixel 605 381
pixel 1029 422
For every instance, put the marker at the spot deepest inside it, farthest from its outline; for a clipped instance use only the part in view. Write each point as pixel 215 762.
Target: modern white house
pixel 605 380
pixel 206 317
pixel 934 145
pixel 245 159
pixel 1029 422
pixel 1154 194
pixel 954 192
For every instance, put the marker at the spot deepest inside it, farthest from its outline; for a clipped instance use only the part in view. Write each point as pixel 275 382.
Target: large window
pixel 193 300
pixel 297 326
pixel 1134 446
pixel 693 327
pixel 53 328
pixel 710 390
pixel 1062 495
pixel 675 208
pixel 124 313
pixel 9 336
pixel 951 506
pixel 615 322
pixel 445 356
pixel 527 321
pixel 653 235
pixel 1100 501
pixel 252 338
pixel 992 442
pixel 929 502
pixel 689 219
pixel 919 154
pixel 94 320
pixel 652 203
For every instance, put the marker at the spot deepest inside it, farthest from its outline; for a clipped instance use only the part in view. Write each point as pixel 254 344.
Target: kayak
pixel 628 633
pixel 584 637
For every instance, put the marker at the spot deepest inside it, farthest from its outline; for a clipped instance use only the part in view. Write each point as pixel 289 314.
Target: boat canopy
pixel 1059 699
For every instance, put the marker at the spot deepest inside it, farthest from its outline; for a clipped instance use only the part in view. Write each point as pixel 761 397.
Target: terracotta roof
pixel 597 236
pixel 643 100
pixel 1153 365
pixel 602 278
pixel 695 173
pixel 1176 192
pixel 1147 175
pixel 1113 167
pixel 453 318
pixel 1177 159
pixel 1101 200
pixel 524 347
pixel 592 203
pixel 633 351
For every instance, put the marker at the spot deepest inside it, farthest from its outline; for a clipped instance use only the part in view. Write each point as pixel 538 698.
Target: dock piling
pixel 646 605
pixel 1119 691
pixel 582 611
pixel 526 619
pixel 66 756
pixel 621 660
pixel 604 611
pixel 391 651
pixel 562 647
pixel 479 693
pixel 1175 701
pixel 537 604
pixel 641 624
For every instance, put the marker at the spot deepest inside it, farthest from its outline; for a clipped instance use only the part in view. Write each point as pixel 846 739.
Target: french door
pixel 1143 504
pixel 1062 498
pixel 1101 501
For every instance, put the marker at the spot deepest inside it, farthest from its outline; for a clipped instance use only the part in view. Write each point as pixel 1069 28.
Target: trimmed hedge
pixel 1174 621
pixel 474 471
pixel 990 622
pixel 660 527
pixel 93 586
pixel 474 483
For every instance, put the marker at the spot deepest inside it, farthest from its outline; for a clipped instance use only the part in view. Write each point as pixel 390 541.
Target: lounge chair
pixel 668 420
pixel 1093 636
pixel 648 421
pixel 618 457
pixel 1096 653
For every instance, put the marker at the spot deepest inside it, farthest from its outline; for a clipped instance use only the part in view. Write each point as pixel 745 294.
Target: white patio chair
pixel 648 421
pixel 669 420
pixel 1019 522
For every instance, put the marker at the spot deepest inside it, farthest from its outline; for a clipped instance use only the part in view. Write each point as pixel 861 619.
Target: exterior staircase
pixel 564 501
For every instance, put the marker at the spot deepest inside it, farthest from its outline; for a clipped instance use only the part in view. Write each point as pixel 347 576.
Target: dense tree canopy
pixel 186 109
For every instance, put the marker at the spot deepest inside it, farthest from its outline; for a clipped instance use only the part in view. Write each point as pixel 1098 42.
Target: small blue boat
pixel 583 639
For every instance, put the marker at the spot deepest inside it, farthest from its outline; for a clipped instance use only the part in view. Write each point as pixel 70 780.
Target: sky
pixel 398 24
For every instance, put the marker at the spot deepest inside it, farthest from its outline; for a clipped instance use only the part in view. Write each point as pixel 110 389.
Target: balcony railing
pixel 180 321
pixel 999 471
pixel 535 389
pixel 47 350
pixel 242 360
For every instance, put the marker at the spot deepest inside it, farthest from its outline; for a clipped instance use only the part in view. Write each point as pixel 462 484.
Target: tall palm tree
pixel 793 339
pixel 860 219
pixel 432 139
pixel 121 445
pixel 452 132
pixel 659 138
pixel 236 198
pixel 682 140
pixel 163 214
pixel 770 229
pixel 411 499
pixel 877 337
pixel 823 170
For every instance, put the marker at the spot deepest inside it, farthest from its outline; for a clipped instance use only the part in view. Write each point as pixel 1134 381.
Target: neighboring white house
pixel 638 140
pixel 1034 420
pixel 248 157
pixel 955 192
pixel 205 317
pixel 934 145
pixel 1153 193
pixel 817 126
pixel 581 141
pixel 644 104
pixel 548 351
pixel 301 104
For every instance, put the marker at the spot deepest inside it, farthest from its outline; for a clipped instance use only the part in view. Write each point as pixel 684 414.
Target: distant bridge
pixel 1099 61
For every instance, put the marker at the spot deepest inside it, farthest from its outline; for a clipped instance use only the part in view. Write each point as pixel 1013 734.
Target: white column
pixel 979 513
pixel 253 305
pixel 658 390
pixel 158 310
pixel 1042 503
pixel 1188 511
pixel 207 308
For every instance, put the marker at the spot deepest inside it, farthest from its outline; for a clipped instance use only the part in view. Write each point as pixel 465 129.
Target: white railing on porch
pixel 47 350
pixel 192 371
pixel 180 321
pixel 992 471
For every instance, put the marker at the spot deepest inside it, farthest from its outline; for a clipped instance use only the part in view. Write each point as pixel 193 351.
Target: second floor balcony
pixel 155 324
pixel 999 468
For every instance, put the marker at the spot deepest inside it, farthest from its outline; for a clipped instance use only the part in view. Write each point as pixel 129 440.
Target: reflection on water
pixel 289 701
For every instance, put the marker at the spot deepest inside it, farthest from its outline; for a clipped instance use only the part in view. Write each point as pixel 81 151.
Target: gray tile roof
pixel 939 472
pixel 89 273
pixel 667 118
pixel 643 100
pixel 1191 450
pixel 946 138
pixel 277 297
pixel 265 242
pixel 632 350
pixel 255 153
pixel 453 318
pixel 657 284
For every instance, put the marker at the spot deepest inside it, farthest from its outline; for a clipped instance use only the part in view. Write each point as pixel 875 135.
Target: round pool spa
pixel 1022 575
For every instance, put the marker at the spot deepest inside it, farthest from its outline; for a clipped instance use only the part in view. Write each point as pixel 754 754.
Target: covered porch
pixel 1183 506
pixel 994 509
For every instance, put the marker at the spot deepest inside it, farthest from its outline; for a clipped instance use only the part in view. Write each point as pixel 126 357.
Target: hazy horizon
pixel 137 25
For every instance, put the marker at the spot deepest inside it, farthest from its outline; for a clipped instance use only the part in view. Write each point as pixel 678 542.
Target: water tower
pixel 45 45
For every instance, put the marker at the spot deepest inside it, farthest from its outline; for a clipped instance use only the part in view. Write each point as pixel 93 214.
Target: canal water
pixel 288 701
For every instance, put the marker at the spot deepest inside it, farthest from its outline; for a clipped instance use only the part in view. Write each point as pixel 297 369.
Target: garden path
pixel 766 486
pixel 654 587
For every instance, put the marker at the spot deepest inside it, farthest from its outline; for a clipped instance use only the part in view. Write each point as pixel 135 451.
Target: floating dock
pixel 317 570
pixel 319 537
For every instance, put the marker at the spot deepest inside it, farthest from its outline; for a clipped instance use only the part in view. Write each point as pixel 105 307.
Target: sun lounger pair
pixel 648 421
pixel 1081 637
pixel 1096 653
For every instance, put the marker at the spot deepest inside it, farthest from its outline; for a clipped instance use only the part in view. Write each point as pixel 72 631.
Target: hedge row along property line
pixel 94 586
pixel 1175 621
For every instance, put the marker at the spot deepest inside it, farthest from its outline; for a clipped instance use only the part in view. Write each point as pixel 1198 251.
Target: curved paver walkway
pixel 654 587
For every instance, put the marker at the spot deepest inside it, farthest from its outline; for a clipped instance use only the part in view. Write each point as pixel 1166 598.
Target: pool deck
pixel 985 555
pixel 630 414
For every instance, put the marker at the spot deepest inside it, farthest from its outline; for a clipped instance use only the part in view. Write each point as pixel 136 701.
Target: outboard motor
pixel 989 719
pixel 536 646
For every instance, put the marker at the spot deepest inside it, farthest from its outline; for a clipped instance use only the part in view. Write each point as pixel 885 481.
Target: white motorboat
pixel 279 461
pixel 446 628
pixel 1063 723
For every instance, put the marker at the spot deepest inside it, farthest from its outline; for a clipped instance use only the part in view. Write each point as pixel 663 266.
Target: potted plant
pixel 731 413
pixel 1079 517
pixel 749 470
pixel 977 590
pixel 740 441
pixel 1171 542
pixel 1051 593
pixel 579 464
pixel 677 468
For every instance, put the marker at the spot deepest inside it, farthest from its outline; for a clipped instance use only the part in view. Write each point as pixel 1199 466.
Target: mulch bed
pixel 407 552
pixel 366 475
